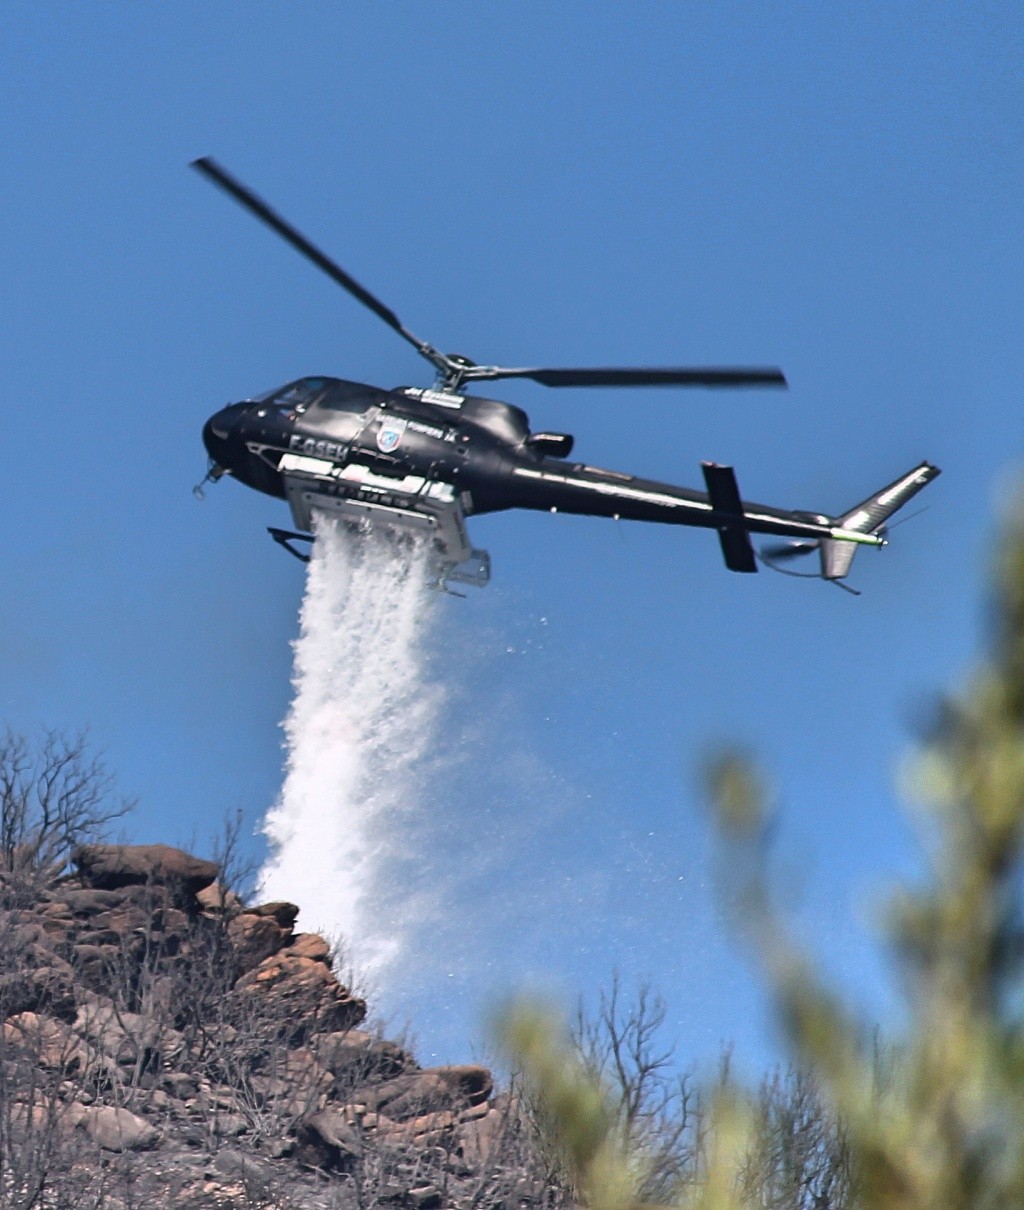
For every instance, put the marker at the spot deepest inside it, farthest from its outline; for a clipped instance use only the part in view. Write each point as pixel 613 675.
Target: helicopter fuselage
pixel 364 442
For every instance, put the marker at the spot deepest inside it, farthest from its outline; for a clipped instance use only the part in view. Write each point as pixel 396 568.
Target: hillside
pixel 165 1044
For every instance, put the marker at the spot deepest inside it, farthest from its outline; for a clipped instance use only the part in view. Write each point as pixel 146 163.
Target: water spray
pixel 362 717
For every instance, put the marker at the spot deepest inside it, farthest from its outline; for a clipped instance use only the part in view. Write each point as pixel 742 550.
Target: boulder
pixel 229 1125
pixel 49 1043
pixel 426 1129
pixel 117 1129
pixel 48 988
pixel 119 922
pixel 312 946
pixel 355 1054
pixel 254 938
pixel 111 866
pixel 330 1137
pixel 180 1084
pixel 96 965
pixel 35 1115
pixel 480 1136
pixel 83 902
pixel 216 898
pixel 126 1037
pixel 284 913
pixel 303 995
pixel 434 1088
pixel 236 1164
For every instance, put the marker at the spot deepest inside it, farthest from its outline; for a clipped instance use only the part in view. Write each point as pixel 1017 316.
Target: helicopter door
pixel 379 442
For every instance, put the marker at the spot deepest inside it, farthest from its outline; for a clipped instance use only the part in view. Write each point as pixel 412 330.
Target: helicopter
pixel 420 460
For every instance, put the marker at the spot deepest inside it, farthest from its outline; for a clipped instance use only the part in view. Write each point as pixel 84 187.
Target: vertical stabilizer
pixel 869 517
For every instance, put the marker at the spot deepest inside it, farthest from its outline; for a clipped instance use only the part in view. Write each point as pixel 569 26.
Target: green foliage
pixel 944 1130
pixel 574 1107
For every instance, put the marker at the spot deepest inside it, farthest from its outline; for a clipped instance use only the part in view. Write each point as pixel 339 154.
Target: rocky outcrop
pixel 147 1015
pixel 113 866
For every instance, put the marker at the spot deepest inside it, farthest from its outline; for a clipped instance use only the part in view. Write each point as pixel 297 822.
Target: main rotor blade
pixel 709 376
pixel 255 205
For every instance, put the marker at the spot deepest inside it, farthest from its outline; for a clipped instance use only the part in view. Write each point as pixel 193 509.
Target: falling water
pixel 361 719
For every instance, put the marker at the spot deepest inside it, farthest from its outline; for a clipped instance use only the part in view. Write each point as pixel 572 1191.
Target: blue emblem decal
pixel 389 438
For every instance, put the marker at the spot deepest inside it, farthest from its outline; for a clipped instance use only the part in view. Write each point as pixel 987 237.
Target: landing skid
pixel 285 538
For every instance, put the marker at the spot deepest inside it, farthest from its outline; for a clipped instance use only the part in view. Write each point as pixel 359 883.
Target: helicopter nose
pixel 213 437
pixel 217 432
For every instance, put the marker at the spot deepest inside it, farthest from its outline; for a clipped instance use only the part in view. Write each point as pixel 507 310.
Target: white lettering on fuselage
pixel 427 430
pixel 318 448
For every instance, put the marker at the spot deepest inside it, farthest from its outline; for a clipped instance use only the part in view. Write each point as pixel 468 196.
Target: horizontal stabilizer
pixel 724 495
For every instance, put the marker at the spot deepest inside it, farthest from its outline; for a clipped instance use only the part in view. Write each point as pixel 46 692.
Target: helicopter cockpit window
pixel 348 397
pixel 298 396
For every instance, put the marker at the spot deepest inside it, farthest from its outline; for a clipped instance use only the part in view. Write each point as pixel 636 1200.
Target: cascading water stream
pixel 362 717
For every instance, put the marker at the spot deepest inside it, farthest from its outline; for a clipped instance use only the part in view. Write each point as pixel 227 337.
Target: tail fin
pixel 869 517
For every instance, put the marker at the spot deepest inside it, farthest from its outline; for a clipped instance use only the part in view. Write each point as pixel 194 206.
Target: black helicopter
pixel 423 459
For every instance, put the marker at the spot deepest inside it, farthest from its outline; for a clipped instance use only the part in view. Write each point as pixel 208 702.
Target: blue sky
pixel 834 189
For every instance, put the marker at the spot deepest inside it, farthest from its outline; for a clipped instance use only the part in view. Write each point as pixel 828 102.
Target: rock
pixel 95 965
pixel 293 1084
pixel 38 1114
pixel 254 938
pixel 284 913
pixel 171 920
pixel 117 1129
pixel 468 1081
pixel 216 898
pixel 52 1044
pixel 83 902
pixel 150 896
pixel 123 1002
pixel 118 922
pixel 334 1142
pixel 435 1088
pixel 29 934
pixel 425 1128
pixel 180 1085
pixel 126 1037
pixel 282 1095
pixel 234 1163
pixel 58 930
pixel 49 988
pixel 276 1149
pixel 304 996
pixel 479 1136
pixel 355 1054
pixel 110 866
pixel 311 946
pixel 229 1125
